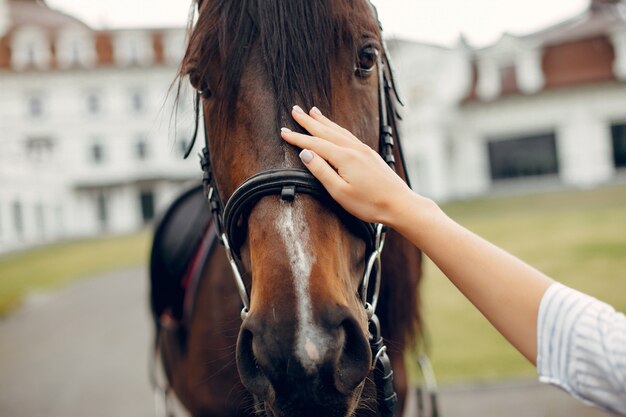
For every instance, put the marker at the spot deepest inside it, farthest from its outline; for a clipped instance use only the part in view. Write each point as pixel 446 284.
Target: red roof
pixel 575 52
pixel 37 13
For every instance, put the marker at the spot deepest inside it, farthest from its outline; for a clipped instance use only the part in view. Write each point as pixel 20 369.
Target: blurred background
pixel 515 121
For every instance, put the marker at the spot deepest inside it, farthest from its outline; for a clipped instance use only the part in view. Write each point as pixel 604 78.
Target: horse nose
pixel 331 356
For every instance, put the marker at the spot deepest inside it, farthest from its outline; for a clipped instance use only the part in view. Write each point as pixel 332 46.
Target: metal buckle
pixel 373 264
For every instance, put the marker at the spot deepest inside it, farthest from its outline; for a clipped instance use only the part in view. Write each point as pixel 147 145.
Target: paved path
pixel 512 399
pixel 79 352
pixel 83 351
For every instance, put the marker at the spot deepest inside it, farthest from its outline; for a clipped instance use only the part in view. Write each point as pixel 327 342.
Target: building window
pixel 618 133
pixel 30 46
pixel 97 153
pixel 35 106
pixel 75 47
pixel 93 103
pixel 133 48
pixel 146 199
pixel 102 210
pixel 137 102
pixel 527 156
pixel 39 149
pixel 141 149
pixel 18 218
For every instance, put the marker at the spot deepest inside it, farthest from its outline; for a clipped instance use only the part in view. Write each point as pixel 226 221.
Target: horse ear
pixel 199 4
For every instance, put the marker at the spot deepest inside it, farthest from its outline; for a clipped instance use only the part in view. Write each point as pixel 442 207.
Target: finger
pixel 327 150
pixel 316 114
pixel 333 134
pixel 325 173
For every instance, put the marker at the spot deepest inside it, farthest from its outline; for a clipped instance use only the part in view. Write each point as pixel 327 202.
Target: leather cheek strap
pixel 285 183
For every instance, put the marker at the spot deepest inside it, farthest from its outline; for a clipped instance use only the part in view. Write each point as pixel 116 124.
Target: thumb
pixel 322 171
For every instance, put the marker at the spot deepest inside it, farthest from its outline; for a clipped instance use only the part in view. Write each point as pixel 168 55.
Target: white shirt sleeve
pixel 582 347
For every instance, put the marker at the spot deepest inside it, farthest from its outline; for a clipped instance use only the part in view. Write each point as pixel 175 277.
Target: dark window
pixel 35 106
pixel 137 102
pixel 39 148
pixel 618 132
pixel 142 149
pixel 18 218
pixel 527 156
pixel 146 199
pixel 102 210
pixel 97 153
pixel 93 103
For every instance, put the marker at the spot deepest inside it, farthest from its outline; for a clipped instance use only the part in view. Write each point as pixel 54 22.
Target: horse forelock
pixel 297 40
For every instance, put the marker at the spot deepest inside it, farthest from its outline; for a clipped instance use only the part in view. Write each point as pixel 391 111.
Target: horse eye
pixel 368 56
pixel 200 84
pixel 205 92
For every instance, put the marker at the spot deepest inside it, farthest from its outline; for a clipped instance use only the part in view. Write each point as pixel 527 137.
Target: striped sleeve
pixel 582 347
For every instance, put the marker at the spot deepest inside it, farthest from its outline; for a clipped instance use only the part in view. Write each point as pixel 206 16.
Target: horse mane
pixel 297 39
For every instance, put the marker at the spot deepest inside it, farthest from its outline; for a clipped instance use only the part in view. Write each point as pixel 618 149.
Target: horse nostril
pixel 355 358
pixel 250 372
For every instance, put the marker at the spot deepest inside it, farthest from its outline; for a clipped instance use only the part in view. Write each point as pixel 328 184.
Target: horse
pixel 327 314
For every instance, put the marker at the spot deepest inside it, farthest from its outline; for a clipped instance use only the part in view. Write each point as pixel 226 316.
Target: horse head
pixel 303 346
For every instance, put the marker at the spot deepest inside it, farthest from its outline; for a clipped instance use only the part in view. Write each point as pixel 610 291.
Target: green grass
pixel 49 267
pixel 576 237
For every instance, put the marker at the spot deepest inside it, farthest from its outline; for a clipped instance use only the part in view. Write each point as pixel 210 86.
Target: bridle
pixel 288 183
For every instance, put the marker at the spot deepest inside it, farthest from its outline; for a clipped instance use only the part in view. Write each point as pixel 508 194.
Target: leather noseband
pixel 286 183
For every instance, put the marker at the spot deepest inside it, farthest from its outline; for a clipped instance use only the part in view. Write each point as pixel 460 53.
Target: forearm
pixel 507 291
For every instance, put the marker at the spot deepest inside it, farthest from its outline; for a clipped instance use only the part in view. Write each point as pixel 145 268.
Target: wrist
pixel 412 215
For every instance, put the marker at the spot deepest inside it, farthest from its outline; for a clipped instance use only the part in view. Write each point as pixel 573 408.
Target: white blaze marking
pixel 292 228
pixel 311 350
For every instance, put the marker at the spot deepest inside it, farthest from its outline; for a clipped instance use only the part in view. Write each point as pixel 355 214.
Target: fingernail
pixel 285 130
pixel 316 111
pixel 306 156
pixel 298 109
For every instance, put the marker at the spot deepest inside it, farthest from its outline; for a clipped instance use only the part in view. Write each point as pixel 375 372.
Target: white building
pixel 85 139
pixel 86 145
pixel 545 109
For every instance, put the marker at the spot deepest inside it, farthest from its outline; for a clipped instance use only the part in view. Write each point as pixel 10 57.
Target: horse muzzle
pixel 304 370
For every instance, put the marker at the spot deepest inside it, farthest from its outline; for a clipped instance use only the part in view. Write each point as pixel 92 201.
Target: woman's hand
pixel 352 172
pixel 506 290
